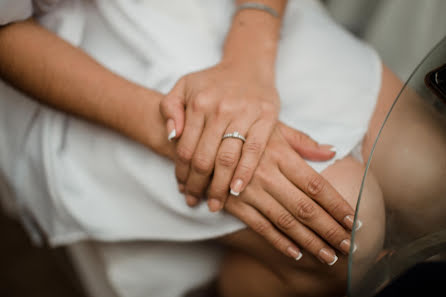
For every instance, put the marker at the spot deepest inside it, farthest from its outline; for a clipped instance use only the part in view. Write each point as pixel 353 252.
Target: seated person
pixel 88 138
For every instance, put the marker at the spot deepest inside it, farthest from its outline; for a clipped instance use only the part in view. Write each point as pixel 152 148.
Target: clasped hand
pixel 269 185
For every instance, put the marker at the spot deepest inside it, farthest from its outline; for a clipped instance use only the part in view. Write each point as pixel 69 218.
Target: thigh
pixel 409 158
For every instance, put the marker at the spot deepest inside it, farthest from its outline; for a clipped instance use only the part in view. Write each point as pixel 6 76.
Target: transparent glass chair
pixel 409 162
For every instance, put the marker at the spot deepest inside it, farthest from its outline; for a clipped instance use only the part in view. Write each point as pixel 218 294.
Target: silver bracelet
pixel 259 6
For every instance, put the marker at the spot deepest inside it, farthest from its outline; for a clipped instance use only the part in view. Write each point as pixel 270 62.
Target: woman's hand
pixel 204 106
pixel 288 203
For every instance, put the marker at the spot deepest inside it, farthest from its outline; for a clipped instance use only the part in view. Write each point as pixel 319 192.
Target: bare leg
pixel 409 160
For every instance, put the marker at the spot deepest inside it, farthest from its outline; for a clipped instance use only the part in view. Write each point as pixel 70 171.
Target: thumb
pixel 172 108
pixel 307 147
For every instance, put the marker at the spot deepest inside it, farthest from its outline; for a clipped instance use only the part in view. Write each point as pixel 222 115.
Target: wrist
pixel 252 42
pixel 139 119
pixel 250 70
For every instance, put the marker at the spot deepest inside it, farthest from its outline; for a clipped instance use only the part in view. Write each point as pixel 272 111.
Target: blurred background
pixel 402 31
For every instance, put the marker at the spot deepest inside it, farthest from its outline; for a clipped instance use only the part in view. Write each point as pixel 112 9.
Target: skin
pixel 251 261
pixel 82 87
pixel 99 97
pixel 237 94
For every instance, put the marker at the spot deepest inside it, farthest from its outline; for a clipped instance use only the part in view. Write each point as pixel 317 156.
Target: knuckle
pixel 219 193
pixel 286 221
pixel 306 211
pixel 278 241
pixel 261 227
pixel 330 233
pixel 309 242
pixel 335 206
pixel 193 191
pixel 184 154
pixel 181 179
pixel 202 165
pixel 315 185
pixel 299 137
pixel 266 106
pixel 253 147
pixel 245 170
pixel 227 159
pixel 269 110
pixel 224 107
pixel 200 102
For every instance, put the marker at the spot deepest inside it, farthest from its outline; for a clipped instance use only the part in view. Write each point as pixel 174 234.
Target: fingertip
pixel 181 188
pixel 328 148
pixel 294 253
pixel 214 205
pixel 191 200
pixel 236 187
pixel 172 133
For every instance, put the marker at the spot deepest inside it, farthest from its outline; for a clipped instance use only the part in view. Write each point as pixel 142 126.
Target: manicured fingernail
pixel 345 246
pixel 172 135
pixel 171 129
pixel 358 225
pixel 237 187
pixel 295 254
pixel 328 256
pixel 181 188
pixel 328 147
pixel 191 200
pixel 348 221
pixel 214 205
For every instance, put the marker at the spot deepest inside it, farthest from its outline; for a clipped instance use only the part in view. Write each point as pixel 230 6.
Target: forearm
pixel 253 38
pixel 42 65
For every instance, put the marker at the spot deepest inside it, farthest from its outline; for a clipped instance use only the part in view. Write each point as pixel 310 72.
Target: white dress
pixel 81 181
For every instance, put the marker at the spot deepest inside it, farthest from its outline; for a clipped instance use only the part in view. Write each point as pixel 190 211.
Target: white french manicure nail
pixel 299 257
pixel 233 193
pixel 358 225
pixel 334 261
pixel 333 149
pixel 236 188
pixel 172 135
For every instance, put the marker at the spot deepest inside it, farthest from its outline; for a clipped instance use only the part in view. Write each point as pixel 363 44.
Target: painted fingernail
pixel 295 254
pixel 237 187
pixel 345 246
pixel 328 256
pixel 328 147
pixel 358 225
pixel 171 129
pixel 348 221
pixel 214 205
pixel 191 200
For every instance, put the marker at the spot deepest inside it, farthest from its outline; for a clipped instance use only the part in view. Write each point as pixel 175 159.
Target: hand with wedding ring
pixel 222 118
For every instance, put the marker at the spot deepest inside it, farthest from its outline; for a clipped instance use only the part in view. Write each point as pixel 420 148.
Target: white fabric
pixel 81 181
pixel 14 10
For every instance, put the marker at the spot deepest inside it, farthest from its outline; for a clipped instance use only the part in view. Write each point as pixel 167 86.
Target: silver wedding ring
pixel 235 134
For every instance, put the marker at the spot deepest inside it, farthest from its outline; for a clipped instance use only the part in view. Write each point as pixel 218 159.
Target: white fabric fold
pixel 95 184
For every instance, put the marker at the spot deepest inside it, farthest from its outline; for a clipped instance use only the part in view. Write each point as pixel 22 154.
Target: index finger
pixel 318 188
